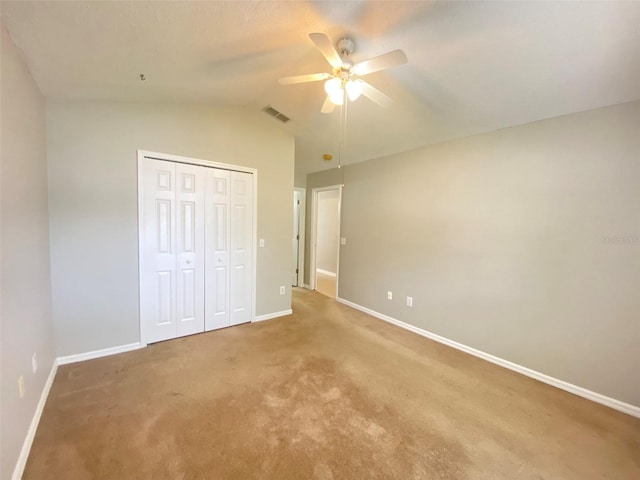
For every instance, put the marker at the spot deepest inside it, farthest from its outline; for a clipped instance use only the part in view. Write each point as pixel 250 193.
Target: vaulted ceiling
pixel 473 66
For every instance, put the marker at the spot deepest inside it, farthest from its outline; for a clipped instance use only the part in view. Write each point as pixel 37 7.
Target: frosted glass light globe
pixel 354 89
pixel 333 86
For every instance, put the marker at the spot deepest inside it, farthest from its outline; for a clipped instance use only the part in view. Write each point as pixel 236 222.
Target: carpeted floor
pixel 327 393
pixel 326 284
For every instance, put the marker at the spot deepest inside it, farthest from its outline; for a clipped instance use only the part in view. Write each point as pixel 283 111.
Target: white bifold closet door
pixel 229 237
pixel 196 237
pixel 218 225
pixel 172 257
pixel 241 247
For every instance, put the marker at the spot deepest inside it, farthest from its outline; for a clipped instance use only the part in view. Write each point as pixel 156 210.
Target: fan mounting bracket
pixel 346 46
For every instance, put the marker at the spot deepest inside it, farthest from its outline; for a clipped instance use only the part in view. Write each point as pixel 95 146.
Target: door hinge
pixel 297 271
pixel 298 202
pixel 297 237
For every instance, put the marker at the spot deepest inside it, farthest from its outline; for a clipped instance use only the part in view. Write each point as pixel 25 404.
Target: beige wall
pixel 523 243
pixel 26 326
pixel 93 202
pixel 300 180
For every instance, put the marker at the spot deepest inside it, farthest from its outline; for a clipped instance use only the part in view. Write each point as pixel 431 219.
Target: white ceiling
pixel 473 67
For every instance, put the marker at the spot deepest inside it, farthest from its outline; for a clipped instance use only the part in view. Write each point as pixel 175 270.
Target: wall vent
pixel 269 110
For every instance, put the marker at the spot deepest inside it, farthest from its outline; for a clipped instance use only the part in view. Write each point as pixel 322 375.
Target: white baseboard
pixel 31 433
pixel 307 286
pixel 326 272
pixel 269 316
pixel 569 387
pixel 80 357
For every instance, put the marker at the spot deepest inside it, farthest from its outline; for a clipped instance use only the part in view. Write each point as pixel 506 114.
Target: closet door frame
pixel 142 154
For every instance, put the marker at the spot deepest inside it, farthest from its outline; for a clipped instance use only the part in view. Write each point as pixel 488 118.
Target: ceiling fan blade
pixel 374 94
pixel 326 48
pixel 382 62
pixel 312 77
pixel 328 106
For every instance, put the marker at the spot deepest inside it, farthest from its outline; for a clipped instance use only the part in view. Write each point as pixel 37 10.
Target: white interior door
pixel 241 242
pixel 296 237
pixel 217 237
pixel 190 186
pixel 158 251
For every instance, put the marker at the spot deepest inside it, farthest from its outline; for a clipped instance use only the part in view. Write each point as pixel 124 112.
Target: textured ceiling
pixel 473 67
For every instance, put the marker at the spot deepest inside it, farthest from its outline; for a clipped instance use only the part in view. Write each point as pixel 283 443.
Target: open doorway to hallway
pixel 326 240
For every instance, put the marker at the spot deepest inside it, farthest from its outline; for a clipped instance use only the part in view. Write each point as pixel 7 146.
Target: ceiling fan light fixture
pixel 333 86
pixel 337 98
pixel 354 89
pixel 342 82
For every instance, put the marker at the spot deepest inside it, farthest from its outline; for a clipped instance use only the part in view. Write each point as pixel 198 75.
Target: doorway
pixel 326 240
pixel 299 197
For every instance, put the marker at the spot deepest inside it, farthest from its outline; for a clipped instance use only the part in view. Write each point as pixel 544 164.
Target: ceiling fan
pixel 343 81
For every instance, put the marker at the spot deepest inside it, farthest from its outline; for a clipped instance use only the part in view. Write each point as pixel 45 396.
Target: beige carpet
pixel 328 393
pixel 326 284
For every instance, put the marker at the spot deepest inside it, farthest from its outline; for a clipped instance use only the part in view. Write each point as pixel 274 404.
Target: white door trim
pixel 301 229
pixel 141 154
pixel 193 161
pixel 314 225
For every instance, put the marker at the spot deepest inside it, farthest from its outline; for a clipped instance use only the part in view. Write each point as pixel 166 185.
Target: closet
pixel 196 248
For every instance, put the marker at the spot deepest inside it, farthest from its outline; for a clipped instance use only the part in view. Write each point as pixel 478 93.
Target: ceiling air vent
pixel 269 110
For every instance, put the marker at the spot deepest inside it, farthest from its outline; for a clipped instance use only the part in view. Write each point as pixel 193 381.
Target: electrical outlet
pixel 282 290
pixel 343 241
pixel 409 301
pixel 261 242
pixel 34 363
pixel 21 386
pixel 389 295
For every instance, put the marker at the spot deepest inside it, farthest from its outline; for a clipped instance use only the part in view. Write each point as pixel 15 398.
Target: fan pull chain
pixel 342 137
